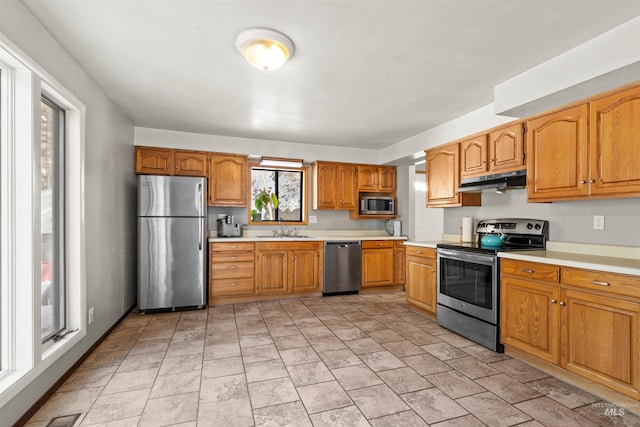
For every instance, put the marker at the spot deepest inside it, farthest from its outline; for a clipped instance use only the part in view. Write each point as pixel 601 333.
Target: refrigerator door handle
pixel 200 208
pixel 200 234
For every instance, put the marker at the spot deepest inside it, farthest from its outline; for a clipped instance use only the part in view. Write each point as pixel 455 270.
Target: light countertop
pixel 569 259
pixel 311 236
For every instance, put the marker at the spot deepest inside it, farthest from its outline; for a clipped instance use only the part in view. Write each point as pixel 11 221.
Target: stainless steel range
pixel 469 277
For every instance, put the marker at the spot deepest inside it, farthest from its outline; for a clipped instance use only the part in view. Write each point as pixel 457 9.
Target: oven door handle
pixel 466 256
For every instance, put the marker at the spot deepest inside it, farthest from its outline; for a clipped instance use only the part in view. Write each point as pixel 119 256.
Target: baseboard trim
pixel 36 406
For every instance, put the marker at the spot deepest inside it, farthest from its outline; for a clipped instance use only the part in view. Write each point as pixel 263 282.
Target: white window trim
pixel 25 82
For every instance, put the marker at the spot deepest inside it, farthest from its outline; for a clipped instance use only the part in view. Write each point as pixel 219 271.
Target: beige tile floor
pixel 355 360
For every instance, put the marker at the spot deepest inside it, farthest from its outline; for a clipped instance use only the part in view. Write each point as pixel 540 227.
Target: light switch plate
pixel 313 219
pixel 598 222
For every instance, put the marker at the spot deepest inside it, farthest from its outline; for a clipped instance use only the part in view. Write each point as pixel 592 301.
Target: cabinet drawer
pixel 232 256
pixel 376 244
pixel 225 270
pixel 530 270
pixel 289 245
pixel 232 246
pixel 400 244
pixel 225 287
pixel 616 283
pixel 421 252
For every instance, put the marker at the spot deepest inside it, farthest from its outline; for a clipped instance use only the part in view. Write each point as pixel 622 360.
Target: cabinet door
pixel 326 182
pixel 529 317
pixel 400 266
pixel 387 178
pixel 557 155
pixel 601 340
pixel 443 176
pixel 506 149
pixel 271 271
pixel 377 267
pixel 421 283
pixel 367 178
pixel 347 195
pixel 157 161
pixel 227 180
pixel 190 163
pixel 615 144
pixel 473 156
pixel 304 270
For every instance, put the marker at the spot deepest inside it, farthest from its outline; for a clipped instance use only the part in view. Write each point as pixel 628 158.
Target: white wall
pixel 109 206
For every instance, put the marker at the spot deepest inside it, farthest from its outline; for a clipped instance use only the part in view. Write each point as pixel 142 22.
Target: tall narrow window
pixel 52 219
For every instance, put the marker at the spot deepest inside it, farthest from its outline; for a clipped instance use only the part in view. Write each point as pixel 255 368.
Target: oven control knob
pixel 529 226
pixel 538 227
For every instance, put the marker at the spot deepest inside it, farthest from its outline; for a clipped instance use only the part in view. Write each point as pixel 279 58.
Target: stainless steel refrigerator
pixel 172 242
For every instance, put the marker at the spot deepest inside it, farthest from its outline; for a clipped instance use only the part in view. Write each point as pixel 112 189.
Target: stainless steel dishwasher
pixel 342 268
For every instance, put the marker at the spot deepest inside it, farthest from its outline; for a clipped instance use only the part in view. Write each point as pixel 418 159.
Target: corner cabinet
pixel 288 267
pixel 443 179
pixel 334 186
pixel 228 176
pixel 421 287
pixel 585 321
pixel 377 263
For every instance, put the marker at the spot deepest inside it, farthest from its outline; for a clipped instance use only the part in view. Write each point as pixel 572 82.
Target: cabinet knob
pixel 583 182
pixel 233 284
pixel 562 303
pixel 233 267
pixel 591 181
pixel 553 301
pixel 484 161
pixel 595 282
pixel 419 252
pixel 526 270
pixel 491 160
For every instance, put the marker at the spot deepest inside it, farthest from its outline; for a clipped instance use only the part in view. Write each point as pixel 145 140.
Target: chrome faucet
pixel 282 227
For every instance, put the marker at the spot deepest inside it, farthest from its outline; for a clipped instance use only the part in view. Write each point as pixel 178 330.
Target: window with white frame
pixel 42 267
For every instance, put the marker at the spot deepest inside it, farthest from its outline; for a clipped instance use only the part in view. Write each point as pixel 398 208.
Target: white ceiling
pixel 366 73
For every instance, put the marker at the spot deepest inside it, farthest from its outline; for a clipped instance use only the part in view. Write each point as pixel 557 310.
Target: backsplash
pixel 327 220
pixel 568 221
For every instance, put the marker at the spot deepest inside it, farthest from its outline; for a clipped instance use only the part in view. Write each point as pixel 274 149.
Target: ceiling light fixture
pixel 283 163
pixel 264 48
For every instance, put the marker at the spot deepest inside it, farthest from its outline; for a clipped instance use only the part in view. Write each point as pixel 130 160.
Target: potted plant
pixel 265 201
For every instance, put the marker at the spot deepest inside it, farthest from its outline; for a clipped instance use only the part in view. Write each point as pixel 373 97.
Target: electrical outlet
pixel 598 222
pixel 313 219
pixel 221 216
pixel 90 315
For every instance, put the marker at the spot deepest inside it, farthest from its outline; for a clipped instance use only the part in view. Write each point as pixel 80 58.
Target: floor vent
pixel 64 421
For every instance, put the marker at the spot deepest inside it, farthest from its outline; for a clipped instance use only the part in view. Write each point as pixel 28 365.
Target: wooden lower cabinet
pixel 529 317
pixel 574 324
pixel 377 263
pixel 400 267
pixel 288 267
pixel 231 269
pixel 421 280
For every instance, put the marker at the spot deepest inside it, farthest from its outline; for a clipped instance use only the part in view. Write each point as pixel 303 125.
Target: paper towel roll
pixel 467 229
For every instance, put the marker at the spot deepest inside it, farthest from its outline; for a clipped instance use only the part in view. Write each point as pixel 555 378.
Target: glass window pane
pixel 290 195
pixel 263 185
pixel 51 215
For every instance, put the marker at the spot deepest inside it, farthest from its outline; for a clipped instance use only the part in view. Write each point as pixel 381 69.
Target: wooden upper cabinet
pixel 228 180
pixel 615 144
pixel 334 186
pixel 325 183
pixel 347 194
pixel 152 160
pixel 367 178
pixel 443 178
pixel 387 178
pixel 506 149
pixel 190 163
pixel 473 159
pixel 557 155
pixel 376 178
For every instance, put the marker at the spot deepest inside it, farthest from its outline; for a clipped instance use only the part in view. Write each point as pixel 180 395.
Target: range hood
pixel 501 181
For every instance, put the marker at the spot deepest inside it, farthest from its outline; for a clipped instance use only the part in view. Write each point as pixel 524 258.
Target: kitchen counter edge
pixel 303 239
pixel 590 262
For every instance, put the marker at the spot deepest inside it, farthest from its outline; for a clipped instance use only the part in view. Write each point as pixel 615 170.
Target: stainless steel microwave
pixel 377 205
